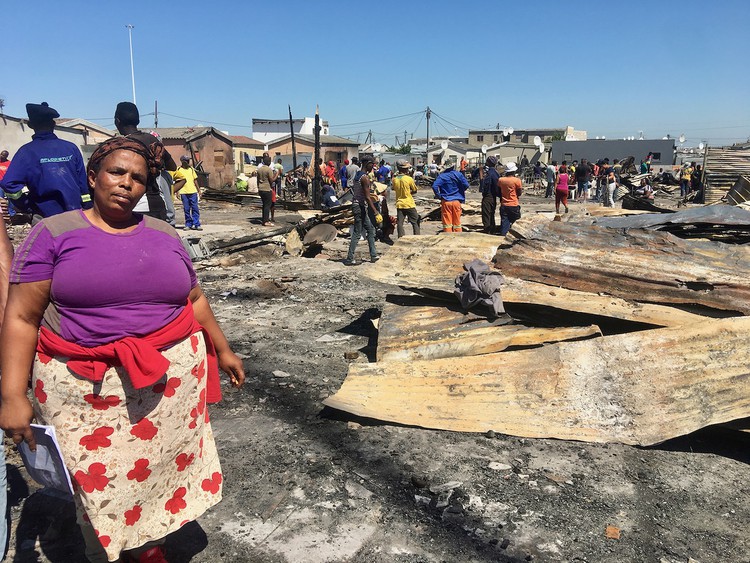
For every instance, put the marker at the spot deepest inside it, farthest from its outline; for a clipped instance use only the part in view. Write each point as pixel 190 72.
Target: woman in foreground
pixel 123 365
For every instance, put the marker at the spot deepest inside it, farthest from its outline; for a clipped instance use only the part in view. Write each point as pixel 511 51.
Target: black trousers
pixel 489 205
pixel 267 198
pixel 413 217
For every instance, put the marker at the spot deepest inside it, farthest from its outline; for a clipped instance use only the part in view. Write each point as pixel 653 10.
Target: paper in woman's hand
pixel 46 465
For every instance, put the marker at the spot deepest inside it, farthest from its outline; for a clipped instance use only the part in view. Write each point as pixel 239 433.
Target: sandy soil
pixel 303 484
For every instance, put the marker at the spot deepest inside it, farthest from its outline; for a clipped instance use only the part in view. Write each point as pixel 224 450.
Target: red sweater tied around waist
pixel 141 357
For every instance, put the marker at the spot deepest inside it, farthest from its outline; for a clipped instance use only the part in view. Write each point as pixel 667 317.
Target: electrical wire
pixel 205 120
pixel 376 120
pixel 455 123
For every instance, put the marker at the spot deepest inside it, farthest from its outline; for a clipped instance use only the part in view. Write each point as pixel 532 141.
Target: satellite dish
pixel 444 145
pixel 505 132
pixel 510 130
pixel 484 149
pixel 682 138
pixel 541 147
pixel 538 140
pixel 701 146
pixel 376 147
pixel 665 138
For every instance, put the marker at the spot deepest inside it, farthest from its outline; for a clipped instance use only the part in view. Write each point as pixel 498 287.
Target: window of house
pixel 656 156
pixel 480 137
pixel 218 157
pixel 495 138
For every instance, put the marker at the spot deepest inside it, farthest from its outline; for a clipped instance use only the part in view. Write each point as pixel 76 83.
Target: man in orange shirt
pixel 510 189
pixel 463 166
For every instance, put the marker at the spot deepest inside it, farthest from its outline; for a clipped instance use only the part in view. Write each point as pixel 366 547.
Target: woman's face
pixel 119 184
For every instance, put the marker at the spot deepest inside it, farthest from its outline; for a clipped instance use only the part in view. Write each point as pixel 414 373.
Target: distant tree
pixel 401 149
pixel 559 136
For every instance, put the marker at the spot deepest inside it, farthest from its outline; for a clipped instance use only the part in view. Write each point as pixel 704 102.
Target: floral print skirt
pixel 143 462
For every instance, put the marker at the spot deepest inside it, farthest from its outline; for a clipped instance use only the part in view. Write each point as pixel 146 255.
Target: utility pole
pixel 404 137
pixel 132 70
pixel 156 114
pixel 294 146
pixel 429 113
pixel 317 180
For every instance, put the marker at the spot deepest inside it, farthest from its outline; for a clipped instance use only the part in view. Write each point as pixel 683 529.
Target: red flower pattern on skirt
pixel 212 485
pixel 133 515
pixel 101 403
pixel 139 487
pixel 44 358
pixel 194 343
pixel 169 388
pixel 200 370
pixel 39 393
pixel 104 540
pixel 201 401
pixel 98 439
pixel 95 479
pixel 194 415
pixel 140 471
pixel 144 429
pixel 177 502
pixel 183 460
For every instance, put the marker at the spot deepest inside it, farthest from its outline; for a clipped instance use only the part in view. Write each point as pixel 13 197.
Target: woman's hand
pixel 15 416
pixel 231 364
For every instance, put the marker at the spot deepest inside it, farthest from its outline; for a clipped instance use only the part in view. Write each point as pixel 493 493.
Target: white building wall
pixel 268 131
pixel 14 134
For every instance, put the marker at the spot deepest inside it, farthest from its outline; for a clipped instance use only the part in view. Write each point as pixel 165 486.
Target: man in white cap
pixel 510 189
pixel 404 187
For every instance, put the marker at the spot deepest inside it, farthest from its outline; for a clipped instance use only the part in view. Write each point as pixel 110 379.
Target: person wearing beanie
pixel 450 188
pixel 47 176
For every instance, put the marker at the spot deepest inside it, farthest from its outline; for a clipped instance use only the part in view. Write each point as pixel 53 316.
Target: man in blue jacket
pixel 47 176
pixel 450 187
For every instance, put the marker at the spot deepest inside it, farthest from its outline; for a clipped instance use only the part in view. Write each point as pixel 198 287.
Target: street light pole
pixel 132 71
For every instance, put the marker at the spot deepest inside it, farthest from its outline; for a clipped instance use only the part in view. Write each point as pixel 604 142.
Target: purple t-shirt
pixel 106 286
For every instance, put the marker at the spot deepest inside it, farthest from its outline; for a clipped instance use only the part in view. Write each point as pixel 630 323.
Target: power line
pixel 205 120
pixel 376 120
pixel 458 124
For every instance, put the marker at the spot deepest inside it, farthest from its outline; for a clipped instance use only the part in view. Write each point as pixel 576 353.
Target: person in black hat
pixel 158 199
pixel 51 169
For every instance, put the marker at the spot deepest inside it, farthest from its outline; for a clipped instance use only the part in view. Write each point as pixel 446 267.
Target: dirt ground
pixel 305 484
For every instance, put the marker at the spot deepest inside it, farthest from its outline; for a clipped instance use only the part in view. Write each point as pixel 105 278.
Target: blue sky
pixel 613 69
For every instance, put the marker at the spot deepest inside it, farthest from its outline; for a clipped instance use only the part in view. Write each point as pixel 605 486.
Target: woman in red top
pixel 561 189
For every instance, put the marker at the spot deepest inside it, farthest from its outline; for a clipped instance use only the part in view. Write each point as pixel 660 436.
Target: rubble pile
pixel 624 329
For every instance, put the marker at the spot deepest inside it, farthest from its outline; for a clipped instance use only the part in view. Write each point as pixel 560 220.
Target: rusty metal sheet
pixel 709 214
pixel 431 261
pixel 639 388
pixel 640 265
pixel 418 329
pixel 430 264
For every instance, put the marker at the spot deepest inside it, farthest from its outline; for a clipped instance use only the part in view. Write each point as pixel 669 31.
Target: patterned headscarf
pixel 121 144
